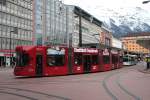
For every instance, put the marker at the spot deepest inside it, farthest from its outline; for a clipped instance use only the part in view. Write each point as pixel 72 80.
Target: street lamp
pixel 80 27
pixel 14 31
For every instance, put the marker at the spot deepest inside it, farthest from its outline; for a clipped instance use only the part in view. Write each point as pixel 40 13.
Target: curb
pixel 144 71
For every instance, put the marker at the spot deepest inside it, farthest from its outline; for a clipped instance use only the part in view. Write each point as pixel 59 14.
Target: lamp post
pixel 80 29
pixel 14 31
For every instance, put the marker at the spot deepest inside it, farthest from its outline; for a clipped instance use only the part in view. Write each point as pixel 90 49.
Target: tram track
pixel 18 95
pixel 5 86
pixel 126 90
pixel 6 90
pixel 121 87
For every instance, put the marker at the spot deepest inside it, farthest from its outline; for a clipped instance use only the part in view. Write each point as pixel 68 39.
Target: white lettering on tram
pixel 85 50
pixel 114 52
pixel 105 52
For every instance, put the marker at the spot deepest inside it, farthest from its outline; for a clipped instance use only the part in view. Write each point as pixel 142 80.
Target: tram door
pixel 87 63
pixel 39 65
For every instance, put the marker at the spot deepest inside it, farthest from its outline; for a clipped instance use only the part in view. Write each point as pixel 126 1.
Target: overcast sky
pixel 109 3
pixel 112 4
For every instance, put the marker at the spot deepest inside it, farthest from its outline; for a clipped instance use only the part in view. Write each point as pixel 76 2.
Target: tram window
pixel 126 59
pixel 78 59
pixel 94 59
pixel 22 59
pixel 106 59
pixel 55 60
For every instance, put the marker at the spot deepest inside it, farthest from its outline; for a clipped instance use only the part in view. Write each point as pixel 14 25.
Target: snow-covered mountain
pixel 125 20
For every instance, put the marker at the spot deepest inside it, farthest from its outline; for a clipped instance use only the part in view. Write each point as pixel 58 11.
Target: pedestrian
pixel 4 64
pixel 148 62
pixel 13 64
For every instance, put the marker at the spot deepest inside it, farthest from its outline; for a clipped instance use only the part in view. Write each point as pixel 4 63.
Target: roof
pixel 87 16
pixel 97 45
pixel 137 34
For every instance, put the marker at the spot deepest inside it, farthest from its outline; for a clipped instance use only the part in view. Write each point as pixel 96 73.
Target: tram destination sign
pixel 51 51
pixel 85 50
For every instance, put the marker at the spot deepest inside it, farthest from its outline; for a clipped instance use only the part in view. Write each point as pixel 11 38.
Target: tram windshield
pixel 22 59
pixel 55 57
pixel 126 59
pixel 106 59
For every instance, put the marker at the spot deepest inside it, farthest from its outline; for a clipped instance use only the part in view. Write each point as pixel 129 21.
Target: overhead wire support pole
pixel 80 29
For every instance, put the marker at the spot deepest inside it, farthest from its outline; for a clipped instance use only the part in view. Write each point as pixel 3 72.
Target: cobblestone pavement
pixel 127 83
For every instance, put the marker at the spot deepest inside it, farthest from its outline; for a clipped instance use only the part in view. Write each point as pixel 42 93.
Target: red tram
pixel 51 61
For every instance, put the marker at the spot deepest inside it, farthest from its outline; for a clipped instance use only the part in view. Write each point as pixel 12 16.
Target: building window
pixel 3 2
pixel 107 41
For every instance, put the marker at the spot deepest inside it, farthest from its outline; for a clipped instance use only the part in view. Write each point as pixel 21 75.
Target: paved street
pixel 127 83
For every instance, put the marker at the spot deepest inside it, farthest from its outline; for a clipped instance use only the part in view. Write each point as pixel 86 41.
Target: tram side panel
pixel 120 61
pixel 95 63
pixel 85 60
pixel 115 59
pixel 106 59
pixel 77 62
pixel 56 61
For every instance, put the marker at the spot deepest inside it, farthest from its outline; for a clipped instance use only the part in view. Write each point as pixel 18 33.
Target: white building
pixel 117 43
pixel 50 22
pixel 91 27
pixel 14 14
pixel 57 23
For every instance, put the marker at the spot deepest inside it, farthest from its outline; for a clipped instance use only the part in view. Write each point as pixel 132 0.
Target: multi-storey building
pixel 117 43
pixel 81 21
pixel 106 37
pixel 14 14
pixel 137 42
pixel 50 21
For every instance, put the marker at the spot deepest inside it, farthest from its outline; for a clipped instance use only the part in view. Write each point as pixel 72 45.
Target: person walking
pixel 148 62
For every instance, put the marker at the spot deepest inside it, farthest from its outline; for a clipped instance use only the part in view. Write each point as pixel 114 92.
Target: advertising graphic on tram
pixel 52 61
pixel 106 60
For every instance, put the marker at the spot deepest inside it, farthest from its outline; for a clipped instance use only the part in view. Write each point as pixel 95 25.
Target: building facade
pixel 90 26
pixel 106 37
pixel 15 27
pixel 50 22
pixel 117 43
pixel 137 42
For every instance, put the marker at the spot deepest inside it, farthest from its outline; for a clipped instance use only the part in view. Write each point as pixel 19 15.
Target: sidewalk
pixel 142 68
pixel 145 71
pixel 5 68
